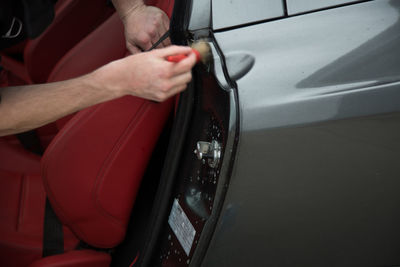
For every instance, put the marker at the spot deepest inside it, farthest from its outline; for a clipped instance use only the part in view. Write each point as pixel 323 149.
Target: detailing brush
pixel 202 50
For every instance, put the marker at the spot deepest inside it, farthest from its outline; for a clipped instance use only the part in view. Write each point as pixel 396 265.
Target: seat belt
pixel 53 236
pixel 30 141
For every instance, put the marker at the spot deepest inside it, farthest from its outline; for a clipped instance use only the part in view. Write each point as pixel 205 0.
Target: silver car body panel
pixel 315 181
pixel 228 13
pixel 200 15
pixel 300 6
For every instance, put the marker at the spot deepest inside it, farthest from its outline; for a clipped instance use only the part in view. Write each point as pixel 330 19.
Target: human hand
pixel 148 75
pixel 144 25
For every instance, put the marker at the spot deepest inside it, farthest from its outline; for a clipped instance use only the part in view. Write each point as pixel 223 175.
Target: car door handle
pixel 238 64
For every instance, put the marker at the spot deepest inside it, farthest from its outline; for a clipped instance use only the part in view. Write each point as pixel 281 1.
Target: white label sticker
pixel 181 226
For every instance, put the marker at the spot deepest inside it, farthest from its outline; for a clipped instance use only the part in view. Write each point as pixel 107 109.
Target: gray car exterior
pixel 316 174
pixel 308 119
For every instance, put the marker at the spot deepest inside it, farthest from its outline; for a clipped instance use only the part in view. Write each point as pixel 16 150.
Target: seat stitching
pixel 21 203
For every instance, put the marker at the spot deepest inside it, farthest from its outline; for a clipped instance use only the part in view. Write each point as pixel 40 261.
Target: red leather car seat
pixel 43 52
pixel 92 55
pixel 47 133
pixel 33 60
pixel 74 19
pixel 90 172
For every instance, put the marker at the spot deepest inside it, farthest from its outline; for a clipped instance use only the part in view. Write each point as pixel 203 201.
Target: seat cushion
pixel 100 155
pixel 77 258
pixel 15 158
pixel 22 201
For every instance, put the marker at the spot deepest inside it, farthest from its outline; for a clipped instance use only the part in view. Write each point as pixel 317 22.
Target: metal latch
pixel 210 151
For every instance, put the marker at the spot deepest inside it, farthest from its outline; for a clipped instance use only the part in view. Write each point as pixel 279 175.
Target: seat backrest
pixel 93 167
pixel 103 45
pixel 71 24
pixel 65 70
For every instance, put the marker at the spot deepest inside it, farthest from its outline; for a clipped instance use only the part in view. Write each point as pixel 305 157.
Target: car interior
pixel 99 168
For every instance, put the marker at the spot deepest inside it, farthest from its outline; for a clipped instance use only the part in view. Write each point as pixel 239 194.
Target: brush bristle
pixel 204 50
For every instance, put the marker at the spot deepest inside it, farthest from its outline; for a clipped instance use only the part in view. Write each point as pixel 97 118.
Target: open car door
pixel 298 122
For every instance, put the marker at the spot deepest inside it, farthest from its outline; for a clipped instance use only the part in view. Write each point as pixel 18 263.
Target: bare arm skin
pixel 147 75
pixel 144 25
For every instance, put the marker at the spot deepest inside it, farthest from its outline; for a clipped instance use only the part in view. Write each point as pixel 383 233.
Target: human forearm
pixel 148 75
pixel 27 107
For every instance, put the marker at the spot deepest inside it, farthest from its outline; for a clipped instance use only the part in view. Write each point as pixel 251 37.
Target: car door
pixel 316 171
pixel 298 119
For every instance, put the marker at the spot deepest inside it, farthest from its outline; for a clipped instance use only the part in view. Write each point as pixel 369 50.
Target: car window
pixel 300 6
pixel 230 13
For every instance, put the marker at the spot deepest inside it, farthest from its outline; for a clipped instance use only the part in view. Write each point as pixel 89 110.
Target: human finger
pixel 155 38
pixel 164 95
pixel 166 42
pixel 144 41
pixel 172 50
pixel 185 64
pixel 133 49
pixel 177 90
pixel 181 79
pixel 165 28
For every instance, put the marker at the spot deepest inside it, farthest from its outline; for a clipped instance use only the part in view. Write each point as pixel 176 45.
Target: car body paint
pixel 316 171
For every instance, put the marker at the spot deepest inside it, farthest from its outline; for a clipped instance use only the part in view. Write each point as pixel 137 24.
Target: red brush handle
pixel 179 57
pixel 176 58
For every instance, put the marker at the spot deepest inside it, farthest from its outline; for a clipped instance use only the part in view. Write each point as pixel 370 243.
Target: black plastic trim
pixel 162 203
